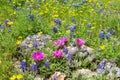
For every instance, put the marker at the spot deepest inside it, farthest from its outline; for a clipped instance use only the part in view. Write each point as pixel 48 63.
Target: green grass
pixel 87 13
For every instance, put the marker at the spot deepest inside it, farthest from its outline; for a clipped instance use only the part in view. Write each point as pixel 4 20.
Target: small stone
pixel 72 50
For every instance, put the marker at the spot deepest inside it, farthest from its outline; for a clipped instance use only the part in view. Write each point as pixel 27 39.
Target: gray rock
pixel 72 50
pixel 34 41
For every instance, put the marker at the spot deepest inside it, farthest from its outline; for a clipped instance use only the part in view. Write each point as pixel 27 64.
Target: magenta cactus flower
pixel 57 53
pixel 80 42
pixel 38 56
pixel 61 41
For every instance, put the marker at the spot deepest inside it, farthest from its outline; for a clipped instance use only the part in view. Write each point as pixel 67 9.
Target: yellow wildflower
pixel 55 16
pixel 50 41
pixel 14 12
pixel 20 37
pixel 67 31
pixel 39 33
pixel 30 45
pixel 0 61
pixel 119 29
pixel 19 76
pixel 41 13
pixel 18 42
pixel 59 33
pixel 10 23
pixel 92 27
pixel 102 47
pixel 13 77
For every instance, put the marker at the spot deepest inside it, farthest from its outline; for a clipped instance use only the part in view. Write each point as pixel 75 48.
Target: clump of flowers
pixel 38 56
pixel 57 53
pixel 61 41
pixel 80 42
pixel 18 77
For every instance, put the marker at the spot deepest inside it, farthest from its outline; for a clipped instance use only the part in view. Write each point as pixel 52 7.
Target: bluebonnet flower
pixel 72 29
pixel 46 63
pixel 31 17
pixel 65 50
pixel 9 31
pixel 101 65
pixel 73 35
pixel 23 65
pixel 75 5
pixel 6 22
pixel 81 3
pixel 73 20
pixel 55 29
pixel 89 25
pixel 57 21
pixel 14 7
pixel 112 31
pixel 35 45
pixel 34 67
pixel 74 26
pixel 108 36
pixel 101 34
pixel 0 25
pixel 69 56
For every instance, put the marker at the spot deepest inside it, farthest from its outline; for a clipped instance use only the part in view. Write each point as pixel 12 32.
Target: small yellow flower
pixel 30 45
pixel 20 37
pixel 10 23
pixel 39 33
pixel 41 13
pixel 19 76
pixel 102 47
pixel 67 31
pixel 13 77
pixel 50 41
pixel 92 27
pixel 0 61
pixel 119 29
pixel 55 16
pixel 18 42
pixel 59 33
pixel 14 12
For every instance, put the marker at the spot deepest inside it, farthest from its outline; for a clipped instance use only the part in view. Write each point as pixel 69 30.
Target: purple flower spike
pixel 23 65
pixel 34 67
pixel 47 63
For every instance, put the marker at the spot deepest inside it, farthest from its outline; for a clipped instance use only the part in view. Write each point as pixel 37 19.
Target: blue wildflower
pixel 72 29
pixel 14 7
pixel 101 35
pixel 73 35
pixel 23 65
pixel 0 25
pixel 46 63
pixel 31 17
pixel 69 56
pixel 112 31
pixel 108 36
pixel 35 45
pixel 74 26
pixel 34 67
pixel 6 22
pixel 65 50
pixel 57 21
pixel 101 65
pixel 89 25
pixel 9 31
pixel 66 26
pixel 55 77
pixel 73 20
pixel 55 29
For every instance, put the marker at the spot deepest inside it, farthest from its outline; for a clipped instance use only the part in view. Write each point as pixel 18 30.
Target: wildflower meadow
pixel 59 39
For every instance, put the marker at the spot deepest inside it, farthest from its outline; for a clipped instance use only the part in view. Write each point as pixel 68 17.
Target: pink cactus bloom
pixel 61 41
pixel 57 53
pixel 80 42
pixel 38 56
